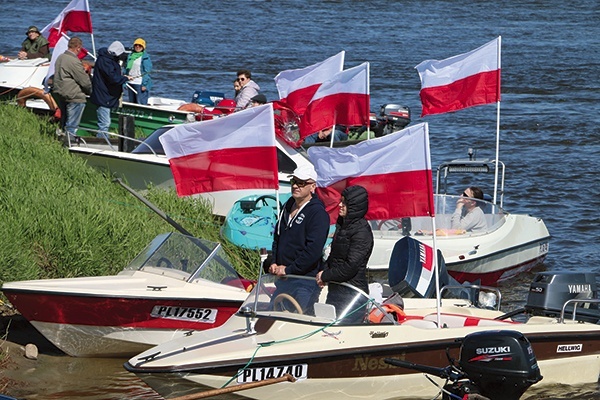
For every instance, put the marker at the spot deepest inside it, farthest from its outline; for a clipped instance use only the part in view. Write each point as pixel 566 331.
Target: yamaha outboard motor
pixel 550 290
pixel 497 365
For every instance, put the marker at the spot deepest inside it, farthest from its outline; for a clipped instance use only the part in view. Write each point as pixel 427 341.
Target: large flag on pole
pixel 344 100
pixel 462 81
pixel 76 17
pixel 395 169
pixel 296 87
pixel 236 152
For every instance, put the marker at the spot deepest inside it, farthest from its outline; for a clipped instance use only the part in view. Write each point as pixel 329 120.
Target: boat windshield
pixel 188 258
pixel 299 298
pixel 448 223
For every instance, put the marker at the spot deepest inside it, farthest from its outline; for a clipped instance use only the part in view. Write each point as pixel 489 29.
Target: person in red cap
pixel 138 68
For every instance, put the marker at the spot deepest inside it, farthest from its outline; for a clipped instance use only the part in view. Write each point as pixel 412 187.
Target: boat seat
pixel 460 321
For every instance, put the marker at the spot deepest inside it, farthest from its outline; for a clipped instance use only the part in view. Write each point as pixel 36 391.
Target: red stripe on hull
pixel 113 311
pixel 494 277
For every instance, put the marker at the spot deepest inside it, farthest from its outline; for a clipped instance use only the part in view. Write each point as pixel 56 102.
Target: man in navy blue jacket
pixel 300 236
pixel 107 84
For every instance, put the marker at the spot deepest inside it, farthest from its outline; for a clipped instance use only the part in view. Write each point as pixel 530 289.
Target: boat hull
pixel 348 362
pixel 121 316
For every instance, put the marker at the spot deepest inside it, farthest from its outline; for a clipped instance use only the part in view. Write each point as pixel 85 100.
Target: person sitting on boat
pixel 35 46
pixel 236 88
pixel 299 239
pixel 258 100
pixel 248 90
pixel 324 135
pixel 351 248
pixel 468 215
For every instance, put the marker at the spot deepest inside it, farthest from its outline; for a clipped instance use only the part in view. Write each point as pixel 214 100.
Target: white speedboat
pixel 148 165
pixel 332 357
pixel 177 284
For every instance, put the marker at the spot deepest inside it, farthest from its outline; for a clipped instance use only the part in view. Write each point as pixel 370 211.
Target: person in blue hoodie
pixel 299 239
pixel 107 84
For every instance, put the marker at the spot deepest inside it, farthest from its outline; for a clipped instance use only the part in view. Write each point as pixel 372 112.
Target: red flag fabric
pixel 296 87
pixel 76 17
pixel 229 153
pixel 344 100
pixel 462 81
pixel 395 169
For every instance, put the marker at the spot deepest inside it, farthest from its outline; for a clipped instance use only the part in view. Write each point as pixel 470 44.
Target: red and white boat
pixel 177 284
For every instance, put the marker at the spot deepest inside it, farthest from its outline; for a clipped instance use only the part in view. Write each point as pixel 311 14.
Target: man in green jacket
pixel 35 46
pixel 71 85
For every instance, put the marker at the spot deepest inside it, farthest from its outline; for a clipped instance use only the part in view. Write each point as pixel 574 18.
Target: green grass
pixel 60 218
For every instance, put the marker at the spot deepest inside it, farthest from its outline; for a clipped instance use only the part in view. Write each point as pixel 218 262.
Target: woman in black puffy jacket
pixel 350 251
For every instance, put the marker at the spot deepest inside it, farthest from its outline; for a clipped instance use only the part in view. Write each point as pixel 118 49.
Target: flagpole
pixel 438 303
pixel 368 104
pixel 497 124
pixel 92 33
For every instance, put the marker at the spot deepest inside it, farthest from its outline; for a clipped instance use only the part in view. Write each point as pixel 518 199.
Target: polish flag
pixel 61 46
pixel 395 169
pixel 76 17
pixel 296 87
pixel 229 153
pixel 462 81
pixel 344 100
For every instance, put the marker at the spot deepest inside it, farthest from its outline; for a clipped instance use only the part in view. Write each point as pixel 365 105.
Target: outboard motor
pixel 391 118
pixel 550 290
pixel 494 365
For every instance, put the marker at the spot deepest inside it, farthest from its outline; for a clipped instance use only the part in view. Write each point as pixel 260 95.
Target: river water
pixel 549 119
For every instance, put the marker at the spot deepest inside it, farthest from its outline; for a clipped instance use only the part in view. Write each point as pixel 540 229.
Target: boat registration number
pixel 298 371
pixel 206 315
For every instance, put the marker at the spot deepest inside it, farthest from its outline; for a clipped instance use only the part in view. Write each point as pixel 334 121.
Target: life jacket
pixel 376 315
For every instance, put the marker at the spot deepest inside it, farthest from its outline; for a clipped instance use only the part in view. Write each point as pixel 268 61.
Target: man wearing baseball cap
pixel 299 238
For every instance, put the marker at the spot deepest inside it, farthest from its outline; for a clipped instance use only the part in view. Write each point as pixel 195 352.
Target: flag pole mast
pixel 497 123
pixel 92 33
pixel 368 104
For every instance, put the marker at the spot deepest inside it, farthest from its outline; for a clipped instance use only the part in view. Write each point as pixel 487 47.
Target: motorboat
pixel 510 244
pixel 338 348
pixel 148 165
pixel 176 285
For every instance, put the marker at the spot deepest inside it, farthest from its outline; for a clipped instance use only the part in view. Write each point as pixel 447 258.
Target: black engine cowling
pixel 500 363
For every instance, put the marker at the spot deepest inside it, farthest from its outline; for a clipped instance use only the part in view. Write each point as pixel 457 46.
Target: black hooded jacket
pixel 352 243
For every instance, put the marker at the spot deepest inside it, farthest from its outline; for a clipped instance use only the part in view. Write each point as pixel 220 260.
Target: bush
pixel 60 218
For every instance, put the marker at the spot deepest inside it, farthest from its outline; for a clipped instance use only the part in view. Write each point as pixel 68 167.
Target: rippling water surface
pixel 550 135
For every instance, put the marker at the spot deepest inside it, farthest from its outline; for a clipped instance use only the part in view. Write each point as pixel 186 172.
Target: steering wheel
pixel 264 198
pixel 166 261
pixel 278 303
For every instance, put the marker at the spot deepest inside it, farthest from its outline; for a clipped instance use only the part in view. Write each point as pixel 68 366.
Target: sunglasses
pixel 299 183
pixel 241 79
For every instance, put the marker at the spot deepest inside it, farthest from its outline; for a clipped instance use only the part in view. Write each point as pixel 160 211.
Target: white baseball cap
pixel 304 173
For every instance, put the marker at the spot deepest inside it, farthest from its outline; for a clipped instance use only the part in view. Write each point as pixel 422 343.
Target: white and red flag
pixel 462 81
pixel 296 87
pixel 344 100
pixel 395 169
pixel 236 152
pixel 76 17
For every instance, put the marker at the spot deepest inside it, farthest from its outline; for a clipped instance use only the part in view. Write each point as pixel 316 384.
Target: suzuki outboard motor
pixel 550 290
pixel 501 364
pixel 497 365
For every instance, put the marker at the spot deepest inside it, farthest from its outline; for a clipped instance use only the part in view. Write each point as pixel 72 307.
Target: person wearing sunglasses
pixel 468 215
pixel 248 89
pixel 299 238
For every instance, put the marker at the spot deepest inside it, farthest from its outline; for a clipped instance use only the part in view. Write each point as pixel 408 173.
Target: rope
pixel 301 337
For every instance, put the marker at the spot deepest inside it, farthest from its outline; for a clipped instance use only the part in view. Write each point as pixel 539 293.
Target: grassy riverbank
pixel 61 218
